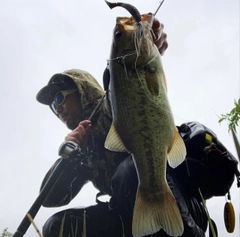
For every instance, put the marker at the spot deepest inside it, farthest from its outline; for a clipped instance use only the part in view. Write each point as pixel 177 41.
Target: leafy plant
pixel 233 117
pixel 5 233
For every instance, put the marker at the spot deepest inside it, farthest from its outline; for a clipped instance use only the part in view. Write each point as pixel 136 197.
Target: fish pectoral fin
pixel 159 212
pixel 178 152
pixel 113 141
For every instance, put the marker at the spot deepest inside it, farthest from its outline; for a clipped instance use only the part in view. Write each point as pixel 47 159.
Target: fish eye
pixel 118 34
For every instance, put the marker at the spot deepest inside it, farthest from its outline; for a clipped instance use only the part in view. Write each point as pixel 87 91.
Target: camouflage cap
pixel 90 92
pixel 58 82
pixel 89 89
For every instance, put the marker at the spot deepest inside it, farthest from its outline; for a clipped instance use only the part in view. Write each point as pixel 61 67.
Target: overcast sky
pixel 40 38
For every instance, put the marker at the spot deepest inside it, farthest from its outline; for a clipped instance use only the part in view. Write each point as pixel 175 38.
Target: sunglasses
pixel 60 97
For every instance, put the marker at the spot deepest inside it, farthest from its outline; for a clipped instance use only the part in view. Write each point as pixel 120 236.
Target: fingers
pixel 162 43
pixel 157 28
pixel 80 134
pixel 159 37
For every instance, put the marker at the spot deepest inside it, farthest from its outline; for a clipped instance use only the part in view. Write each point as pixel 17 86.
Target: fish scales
pixel 143 125
pixel 141 118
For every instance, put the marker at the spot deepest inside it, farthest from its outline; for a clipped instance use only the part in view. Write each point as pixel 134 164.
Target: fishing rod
pixel 66 152
pixel 25 223
pixel 158 7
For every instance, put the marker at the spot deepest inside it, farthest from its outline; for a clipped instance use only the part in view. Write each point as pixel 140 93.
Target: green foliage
pixel 233 117
pixel 5 233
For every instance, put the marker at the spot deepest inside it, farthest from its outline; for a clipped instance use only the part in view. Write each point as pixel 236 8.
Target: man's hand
pixel 159 37
pixel 80 134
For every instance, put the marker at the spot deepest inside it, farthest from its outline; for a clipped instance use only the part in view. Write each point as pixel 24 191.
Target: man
pixel 72 96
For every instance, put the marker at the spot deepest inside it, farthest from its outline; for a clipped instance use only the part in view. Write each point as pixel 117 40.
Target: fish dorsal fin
pixel 113 141
pixel 178 152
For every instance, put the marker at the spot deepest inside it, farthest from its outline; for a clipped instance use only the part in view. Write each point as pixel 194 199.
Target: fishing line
pixel 139 44
pixel 125 68
pixel 120 58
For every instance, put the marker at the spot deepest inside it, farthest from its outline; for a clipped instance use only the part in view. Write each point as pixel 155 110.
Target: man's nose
pixel 59 108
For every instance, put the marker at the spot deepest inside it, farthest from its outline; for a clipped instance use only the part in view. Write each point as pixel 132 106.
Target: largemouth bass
pixel 143 123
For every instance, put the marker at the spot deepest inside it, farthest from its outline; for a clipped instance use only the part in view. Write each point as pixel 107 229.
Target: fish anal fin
pixel 152 215
pixel 113 141
pixel 177 153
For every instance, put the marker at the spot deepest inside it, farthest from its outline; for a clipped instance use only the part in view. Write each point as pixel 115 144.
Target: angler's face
pixel 69 110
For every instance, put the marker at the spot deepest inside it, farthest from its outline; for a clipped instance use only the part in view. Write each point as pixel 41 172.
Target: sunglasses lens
pixel 59 98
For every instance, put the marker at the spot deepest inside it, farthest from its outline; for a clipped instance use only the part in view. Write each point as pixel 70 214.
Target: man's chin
pixel 72 123
pixel 73 120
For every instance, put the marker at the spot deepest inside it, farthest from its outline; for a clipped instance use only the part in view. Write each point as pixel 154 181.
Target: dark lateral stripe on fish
pixel 150 162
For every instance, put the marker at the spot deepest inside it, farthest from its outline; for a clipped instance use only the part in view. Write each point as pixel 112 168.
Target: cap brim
pixel 57 83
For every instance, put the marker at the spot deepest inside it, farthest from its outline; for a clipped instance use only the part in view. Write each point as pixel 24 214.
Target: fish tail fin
pixel 177 153
pixel 158 213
